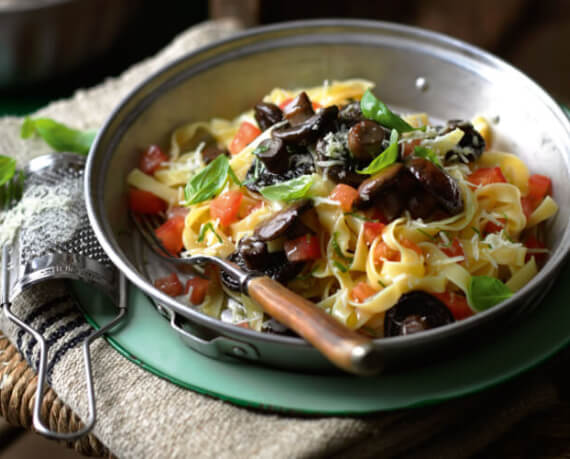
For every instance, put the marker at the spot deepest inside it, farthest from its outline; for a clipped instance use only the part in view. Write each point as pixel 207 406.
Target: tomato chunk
pixel 246 133
pixel 486 176
pixel 371 230
pixel 144 202
pixel 411 245
pixel 198 289
pixel 303 248
pixel 151 159
pixel 539 186
pixel 532 242
pixel 170 234
pixel 361 291
pixel 409 146
pixel 170 285
pixel 226 207
pixel 492 227
pixel 345 195
pixel 383 251
pixel 456 303
pixel 454 250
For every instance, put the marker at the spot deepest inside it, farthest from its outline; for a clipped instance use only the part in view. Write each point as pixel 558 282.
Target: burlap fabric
pixel 141 415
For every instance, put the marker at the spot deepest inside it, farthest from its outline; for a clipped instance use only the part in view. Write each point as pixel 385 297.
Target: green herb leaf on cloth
pixel 58 136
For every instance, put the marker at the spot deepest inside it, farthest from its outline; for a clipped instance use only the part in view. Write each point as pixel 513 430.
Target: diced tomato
pixel 243 325
pixel 151 159
pixel 345 195
pixel 411 245
pixel 371 231
pixel 492 227
pixel 383 252
pixel 376 214
pixel 212 272
pixel 226 207
pixel 454 250
pixel 247 206
pixel 532 242
pixel 486 176
pixel 286 102
pixel 144 202
pixel 177 211
pixel 170 234
pixel 303 248
pixel 170 285
pixel 456 303
pixel 361 291
pixel 246 133
pixel 539 186
pixel 409 147
pixel 199 289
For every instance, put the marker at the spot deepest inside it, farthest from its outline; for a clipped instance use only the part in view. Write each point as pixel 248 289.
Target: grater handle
pixel 37 421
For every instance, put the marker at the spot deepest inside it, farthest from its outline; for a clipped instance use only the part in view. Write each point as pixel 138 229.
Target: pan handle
pixel 343 347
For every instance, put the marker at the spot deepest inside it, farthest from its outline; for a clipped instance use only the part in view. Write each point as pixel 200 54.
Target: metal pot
pixel 413 69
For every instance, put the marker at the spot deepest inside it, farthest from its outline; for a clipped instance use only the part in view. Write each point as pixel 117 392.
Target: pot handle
pixel 343 347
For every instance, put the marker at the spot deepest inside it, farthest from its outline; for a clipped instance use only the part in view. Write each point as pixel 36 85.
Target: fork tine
pixel 146 229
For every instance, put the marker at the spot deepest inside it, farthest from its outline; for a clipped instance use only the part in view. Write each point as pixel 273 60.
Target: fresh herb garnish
pixel 208 182
pixel 233 176
pixel 7 169
pixel 337 249
pixel 58 136
pixel 428 154
pixel 340 266
pixel 260 149
pixel 477 231
pixel 208 227
pixel 382 283
pixel 374 109
pixel 289 190
pixel 484 292
pixel 384 159
pixel 361 217
pixel 425 233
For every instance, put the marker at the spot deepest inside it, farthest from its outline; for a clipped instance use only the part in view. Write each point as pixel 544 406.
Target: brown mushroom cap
pixel 377 184
pixel 298 110
pixel 278 224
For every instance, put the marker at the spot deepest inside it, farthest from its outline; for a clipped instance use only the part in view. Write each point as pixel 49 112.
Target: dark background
pixel 532 35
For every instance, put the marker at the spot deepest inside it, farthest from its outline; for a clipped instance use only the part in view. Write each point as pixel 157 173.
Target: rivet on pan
pixel 240 352
pixel 421 84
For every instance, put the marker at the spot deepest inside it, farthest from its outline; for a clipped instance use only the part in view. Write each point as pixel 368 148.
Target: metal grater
pixel 57 242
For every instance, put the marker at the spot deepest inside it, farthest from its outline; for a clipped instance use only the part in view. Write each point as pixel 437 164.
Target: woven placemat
pixel 141 415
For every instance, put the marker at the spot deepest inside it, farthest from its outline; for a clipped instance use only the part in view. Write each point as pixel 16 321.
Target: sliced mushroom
pixel 298 110
pixel 254 252
pixel 377 185
pixel 438 183
pixel 283 222
pixel 273 153
pixel 365 139
pixel 472 144
pixel 415 312
pixel 310 130
pixel 267 115
pixel 211 152
pixel 350 114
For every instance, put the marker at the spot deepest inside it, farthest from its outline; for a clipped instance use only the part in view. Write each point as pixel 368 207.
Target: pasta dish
pixel 391 223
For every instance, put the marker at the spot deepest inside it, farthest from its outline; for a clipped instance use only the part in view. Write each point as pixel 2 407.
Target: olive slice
pixel 415 312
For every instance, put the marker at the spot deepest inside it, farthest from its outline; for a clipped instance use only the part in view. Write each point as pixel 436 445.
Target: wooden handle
pixel 343 347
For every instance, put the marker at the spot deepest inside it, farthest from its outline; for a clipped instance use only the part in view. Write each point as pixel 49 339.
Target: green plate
pixel 147 340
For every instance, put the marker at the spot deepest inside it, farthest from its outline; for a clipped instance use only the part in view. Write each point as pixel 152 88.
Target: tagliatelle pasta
pixel 439 213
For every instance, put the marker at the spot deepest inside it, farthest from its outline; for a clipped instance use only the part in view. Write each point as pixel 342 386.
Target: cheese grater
pixel 55 241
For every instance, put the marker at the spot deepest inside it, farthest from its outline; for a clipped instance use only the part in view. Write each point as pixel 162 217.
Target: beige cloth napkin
pixel 141 415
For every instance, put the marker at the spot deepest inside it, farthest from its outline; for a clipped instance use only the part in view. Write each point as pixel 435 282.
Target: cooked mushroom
pixel 378 184
pixel 350 114
pixel 267 115
pixel 211 152
pixel 284 221
pixel 438 183
pixel 414 312
pixel 254 252
pixel 273 153
pixel 298 110
pixel 299 163
pixel 365 139
pixel 472 144
pixel 309 130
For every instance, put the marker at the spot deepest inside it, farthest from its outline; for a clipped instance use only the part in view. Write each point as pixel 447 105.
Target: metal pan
pixel 413 70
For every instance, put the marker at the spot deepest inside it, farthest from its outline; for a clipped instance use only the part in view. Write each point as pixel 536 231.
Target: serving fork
pixel 345 348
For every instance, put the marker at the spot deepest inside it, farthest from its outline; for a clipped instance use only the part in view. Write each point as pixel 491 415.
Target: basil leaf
pixel 384 159
pixel 342 268
pixel 484 292
pixel 290 190
pixel 58 136
pixel 208 182
pixel 338 250
pixel 7 169
pixel 374 109
pixel 428 154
